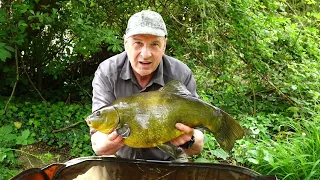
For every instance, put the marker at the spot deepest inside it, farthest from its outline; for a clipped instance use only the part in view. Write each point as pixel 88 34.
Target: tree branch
pixel 17 77
pixel 24 68
pixel 66 128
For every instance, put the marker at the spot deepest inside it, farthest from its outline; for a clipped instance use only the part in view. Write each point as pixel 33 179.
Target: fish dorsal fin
pixel 176 87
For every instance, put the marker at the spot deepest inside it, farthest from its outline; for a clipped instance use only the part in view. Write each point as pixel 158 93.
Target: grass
pixel 296 157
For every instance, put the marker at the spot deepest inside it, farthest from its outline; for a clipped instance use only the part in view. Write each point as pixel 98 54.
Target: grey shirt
pixel 114 79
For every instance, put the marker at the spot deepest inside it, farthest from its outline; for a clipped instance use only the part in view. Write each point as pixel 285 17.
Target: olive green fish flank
pixel 151 117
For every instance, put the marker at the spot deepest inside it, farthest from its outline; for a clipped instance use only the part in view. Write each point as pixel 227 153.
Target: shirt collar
pixel 126 73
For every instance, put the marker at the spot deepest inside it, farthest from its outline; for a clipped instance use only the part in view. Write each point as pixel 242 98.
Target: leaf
pixel 3 155
pixel 14 108
pixel 316 15
pixel 25 134
pixel 4 54
pixel 254 161
pixel 294 87
pixel 10 137
pixel 30 141
pixel 21 140
pixel 268 157
pixel 6 129
pixel 220 153
pixel 54 10
pixel 2 112
pixel 9 48
pixel 17 124
pixel 254 130
pixel 92 3
pixel 22 25
pixel 293 109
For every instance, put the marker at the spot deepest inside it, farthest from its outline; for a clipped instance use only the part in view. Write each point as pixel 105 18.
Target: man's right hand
pixel 106 144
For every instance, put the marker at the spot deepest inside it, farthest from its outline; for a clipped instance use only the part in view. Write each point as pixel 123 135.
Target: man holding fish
pixel 142 67
pixel 143 99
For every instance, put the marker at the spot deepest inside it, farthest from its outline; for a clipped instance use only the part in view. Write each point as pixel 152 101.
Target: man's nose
pixel 145 52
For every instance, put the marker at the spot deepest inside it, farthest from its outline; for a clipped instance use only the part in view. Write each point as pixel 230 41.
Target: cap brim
pixel 145 30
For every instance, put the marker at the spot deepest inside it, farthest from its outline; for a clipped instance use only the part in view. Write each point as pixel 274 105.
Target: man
pixel 142 67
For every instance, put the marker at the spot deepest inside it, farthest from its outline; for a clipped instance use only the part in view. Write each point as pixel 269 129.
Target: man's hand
pixel 106 144
pixel 197 147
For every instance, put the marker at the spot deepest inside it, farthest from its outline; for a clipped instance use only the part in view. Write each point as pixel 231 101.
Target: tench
pixel 148 119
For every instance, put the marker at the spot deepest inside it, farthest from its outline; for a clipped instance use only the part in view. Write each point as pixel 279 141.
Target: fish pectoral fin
pixel 168 148
pixel 173 151
pixel 123 131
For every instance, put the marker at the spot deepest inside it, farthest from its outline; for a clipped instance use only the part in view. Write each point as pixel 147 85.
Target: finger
pixel 184 128
pixel 112 136
pixel 177 142
pixel 181 139
pixel 118 139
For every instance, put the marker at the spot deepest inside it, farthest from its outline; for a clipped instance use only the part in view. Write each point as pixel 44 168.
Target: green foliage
pixel 25 123
pixel 5 51
pixel 53 117
pixel 212 152
pixel 53 40
pixel 295 156
pixel 257 60
pixel 244 52
pixel 10 137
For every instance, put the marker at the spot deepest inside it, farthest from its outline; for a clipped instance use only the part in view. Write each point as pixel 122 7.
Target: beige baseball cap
pixel 146 22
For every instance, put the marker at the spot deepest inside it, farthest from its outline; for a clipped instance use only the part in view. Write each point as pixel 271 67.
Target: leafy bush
pixel 59 125
pixel 10 138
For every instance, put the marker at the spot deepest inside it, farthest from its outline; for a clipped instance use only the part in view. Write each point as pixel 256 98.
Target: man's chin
pixel 144 73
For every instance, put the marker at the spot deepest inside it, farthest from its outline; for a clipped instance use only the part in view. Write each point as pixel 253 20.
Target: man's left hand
pixel 197 147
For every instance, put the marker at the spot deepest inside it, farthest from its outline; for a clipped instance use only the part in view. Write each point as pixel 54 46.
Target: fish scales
pixel 151 117
pixel 157 115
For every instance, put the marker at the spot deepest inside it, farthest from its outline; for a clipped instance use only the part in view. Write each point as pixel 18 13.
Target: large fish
pixel 148 119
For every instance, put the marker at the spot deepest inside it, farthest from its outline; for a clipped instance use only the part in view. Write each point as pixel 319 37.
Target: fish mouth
pixel 88 122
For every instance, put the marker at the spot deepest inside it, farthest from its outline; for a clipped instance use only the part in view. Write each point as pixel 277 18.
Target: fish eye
pixel 98 113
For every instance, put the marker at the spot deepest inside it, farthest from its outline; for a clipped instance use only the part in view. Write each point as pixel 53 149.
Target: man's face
pixel 145 53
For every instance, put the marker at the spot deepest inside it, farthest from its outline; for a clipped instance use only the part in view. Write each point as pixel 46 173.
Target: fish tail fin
pixel 229 131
